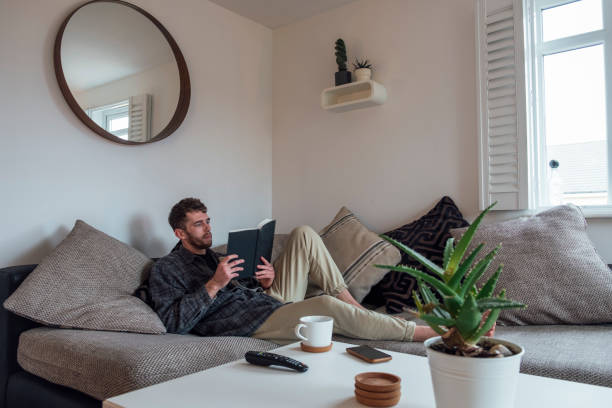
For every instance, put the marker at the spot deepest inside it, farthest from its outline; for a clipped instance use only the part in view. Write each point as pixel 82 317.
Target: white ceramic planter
pixel 363 74
pixel 468 382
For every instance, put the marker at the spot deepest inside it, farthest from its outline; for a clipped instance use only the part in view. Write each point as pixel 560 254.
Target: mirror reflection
pixel 120 70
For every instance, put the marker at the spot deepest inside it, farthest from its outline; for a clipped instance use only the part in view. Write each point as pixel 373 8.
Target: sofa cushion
pixel 426 235
pixel 356 250
pixel 86 282
pixel 549 264
pixel 573 353
pixel 103 364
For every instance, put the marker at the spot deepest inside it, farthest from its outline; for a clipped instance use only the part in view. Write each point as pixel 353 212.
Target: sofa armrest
pixel 11 325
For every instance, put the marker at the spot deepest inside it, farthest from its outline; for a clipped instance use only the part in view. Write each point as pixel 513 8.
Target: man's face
pixel 196 233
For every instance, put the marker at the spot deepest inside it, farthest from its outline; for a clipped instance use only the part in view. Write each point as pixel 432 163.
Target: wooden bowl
pixel 378 402
pixel 377 395
pixel 378 382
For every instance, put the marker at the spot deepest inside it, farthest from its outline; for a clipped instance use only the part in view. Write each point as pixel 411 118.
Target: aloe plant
pixel 465 312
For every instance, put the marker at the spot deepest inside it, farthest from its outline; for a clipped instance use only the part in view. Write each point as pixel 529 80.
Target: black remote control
pixel 263 358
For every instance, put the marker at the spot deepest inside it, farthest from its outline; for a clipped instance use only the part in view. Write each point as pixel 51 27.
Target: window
pixel 113 118
pixel 570 69
pixel 545 95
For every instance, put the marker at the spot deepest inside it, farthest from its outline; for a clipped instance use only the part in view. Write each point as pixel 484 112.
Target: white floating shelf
pixel 353 96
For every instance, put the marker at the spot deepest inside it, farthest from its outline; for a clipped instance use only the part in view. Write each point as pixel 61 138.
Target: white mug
pixel 317 330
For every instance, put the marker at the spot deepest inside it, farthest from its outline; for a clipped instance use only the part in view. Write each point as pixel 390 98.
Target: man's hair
pixel 179 211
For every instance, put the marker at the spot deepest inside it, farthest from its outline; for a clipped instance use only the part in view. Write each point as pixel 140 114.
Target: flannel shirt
pixel 177 293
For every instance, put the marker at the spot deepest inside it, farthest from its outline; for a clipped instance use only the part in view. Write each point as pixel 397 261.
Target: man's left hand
pixel 265 273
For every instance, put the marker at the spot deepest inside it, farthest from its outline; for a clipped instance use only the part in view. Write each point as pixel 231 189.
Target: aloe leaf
pixel 418 257
pixel 489 322
pixel 435 327
pixel 436 283
pixel 453 304
pixel 469 318
pixel 429 318
pixel 448 251
pixel 489 287
pixel 478 271
pixel 417 301
pixel 465 266
pixel 464 242
pixel 426 292
pixel 497 303
pixel 430 298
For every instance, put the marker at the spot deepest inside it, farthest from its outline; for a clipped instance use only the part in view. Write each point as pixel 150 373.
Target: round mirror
pixel 121 72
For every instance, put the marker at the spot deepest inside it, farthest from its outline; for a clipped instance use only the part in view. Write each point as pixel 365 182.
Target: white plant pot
pixel 470 382
pixel 363 74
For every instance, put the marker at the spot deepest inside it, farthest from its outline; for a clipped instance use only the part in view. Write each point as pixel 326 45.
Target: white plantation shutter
pixel 140 118
pixel 502 125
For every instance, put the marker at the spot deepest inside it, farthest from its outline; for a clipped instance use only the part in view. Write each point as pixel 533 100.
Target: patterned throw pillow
pixel 426 235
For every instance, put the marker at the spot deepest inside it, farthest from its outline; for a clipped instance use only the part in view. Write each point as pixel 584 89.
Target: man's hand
pixel 265 274
pixel 226 271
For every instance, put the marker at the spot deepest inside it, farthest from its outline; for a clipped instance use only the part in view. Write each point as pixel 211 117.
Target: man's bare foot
pixel 345 296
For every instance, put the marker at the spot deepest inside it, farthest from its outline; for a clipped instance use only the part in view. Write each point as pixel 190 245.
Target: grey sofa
pixel 43 366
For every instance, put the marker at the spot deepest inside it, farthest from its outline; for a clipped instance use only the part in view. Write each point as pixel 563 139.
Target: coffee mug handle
pixel 297 332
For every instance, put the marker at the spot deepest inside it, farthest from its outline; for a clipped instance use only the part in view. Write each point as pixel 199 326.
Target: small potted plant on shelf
pixel 467 369
pixel 342 76
pixel 363 70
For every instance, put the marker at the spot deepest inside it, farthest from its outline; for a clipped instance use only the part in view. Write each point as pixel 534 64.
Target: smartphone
pixel 369 354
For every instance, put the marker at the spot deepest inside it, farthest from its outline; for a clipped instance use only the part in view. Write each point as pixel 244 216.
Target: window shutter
pixel 140 118
pixel 501 88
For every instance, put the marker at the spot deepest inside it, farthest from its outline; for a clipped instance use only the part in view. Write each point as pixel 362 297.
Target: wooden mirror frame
pixel 185 85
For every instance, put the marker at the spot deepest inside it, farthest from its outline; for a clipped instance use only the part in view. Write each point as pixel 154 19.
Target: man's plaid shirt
pixel 177 294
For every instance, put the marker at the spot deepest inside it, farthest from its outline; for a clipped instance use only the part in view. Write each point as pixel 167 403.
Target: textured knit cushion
pixel 426 235
pixel 550 265
pixel 87 282
pixel 355 249
pixel 104 364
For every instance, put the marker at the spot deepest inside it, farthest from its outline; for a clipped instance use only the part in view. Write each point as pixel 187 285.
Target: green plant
pixel 362 64
pixel 461 317
pixel 341 54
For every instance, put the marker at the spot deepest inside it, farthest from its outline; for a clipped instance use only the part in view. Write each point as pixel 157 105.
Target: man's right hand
pixel 226 271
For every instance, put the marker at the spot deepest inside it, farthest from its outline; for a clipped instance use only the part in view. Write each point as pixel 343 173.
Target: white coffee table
pixel 329 382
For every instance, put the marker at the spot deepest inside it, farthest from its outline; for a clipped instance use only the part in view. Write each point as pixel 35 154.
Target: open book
pixel 251 244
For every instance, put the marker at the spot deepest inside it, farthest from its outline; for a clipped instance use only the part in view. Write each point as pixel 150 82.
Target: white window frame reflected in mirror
pixel 103 115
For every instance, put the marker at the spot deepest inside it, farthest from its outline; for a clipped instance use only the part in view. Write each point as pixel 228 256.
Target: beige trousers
pixel 306 259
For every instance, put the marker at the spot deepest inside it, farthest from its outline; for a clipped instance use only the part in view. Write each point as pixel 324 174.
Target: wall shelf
pixel 353 96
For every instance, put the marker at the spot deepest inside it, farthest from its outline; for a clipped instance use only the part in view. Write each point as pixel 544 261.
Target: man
pixel 193 290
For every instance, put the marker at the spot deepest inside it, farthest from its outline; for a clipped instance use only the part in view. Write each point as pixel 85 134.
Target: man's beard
pixel 199 243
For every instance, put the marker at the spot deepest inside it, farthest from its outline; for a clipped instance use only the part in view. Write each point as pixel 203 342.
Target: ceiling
pixel 276 13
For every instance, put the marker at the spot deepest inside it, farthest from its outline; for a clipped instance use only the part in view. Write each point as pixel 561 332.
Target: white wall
pixel 161 82
pixel 54 170
pixel 391 163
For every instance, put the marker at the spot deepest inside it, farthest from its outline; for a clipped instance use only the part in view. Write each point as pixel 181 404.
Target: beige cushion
pixel 104 364
pixel 87 282
pixel 355 249
pixel 550 265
